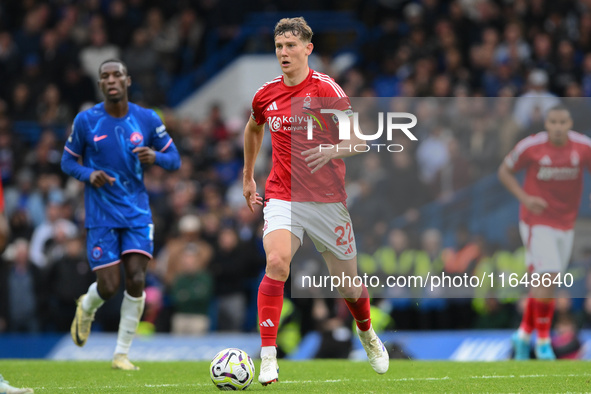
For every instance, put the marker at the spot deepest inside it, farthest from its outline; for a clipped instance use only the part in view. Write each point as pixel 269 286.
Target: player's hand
pixel 316 158
pixel 535 204
pixel 145 154
pixel 249 191
pixel 99 178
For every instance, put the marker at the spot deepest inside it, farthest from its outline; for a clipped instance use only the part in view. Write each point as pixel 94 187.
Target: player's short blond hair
pixel 296 26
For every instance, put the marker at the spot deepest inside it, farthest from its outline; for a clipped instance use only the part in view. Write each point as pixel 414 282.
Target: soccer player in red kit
pixel 303 178
pixel 554 161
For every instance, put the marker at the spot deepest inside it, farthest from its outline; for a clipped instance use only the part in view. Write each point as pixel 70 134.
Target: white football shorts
pixel 327 224
pixel 547 249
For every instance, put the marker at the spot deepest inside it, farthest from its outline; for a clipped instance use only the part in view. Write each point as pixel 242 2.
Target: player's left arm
pixel 165 154
pixel 506 174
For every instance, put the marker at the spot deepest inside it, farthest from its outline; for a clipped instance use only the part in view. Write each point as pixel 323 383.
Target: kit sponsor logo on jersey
pixel 558 173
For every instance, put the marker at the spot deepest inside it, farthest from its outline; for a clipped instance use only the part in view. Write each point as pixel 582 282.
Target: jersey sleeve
pixel 75 142
pixel 74 149
pixel 256 110
pixel 334 97
pixel 161 141
pixel 520 157
pixel 167 156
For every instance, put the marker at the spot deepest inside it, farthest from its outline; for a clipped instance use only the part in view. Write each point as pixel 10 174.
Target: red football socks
pixel 360 310
pixel 270 302
pixel 544 311
pixel 527 321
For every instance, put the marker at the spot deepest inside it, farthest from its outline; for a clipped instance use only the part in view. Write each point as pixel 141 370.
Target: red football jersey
pixel 554 174
pixel 287 109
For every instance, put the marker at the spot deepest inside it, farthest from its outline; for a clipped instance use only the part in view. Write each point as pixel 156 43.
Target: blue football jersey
pixel 106 143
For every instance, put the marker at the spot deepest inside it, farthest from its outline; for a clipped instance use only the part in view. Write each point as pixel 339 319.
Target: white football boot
pixel 269 370
pixel 375 349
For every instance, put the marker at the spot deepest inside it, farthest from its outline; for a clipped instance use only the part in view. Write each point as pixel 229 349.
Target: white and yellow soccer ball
pixel 231 369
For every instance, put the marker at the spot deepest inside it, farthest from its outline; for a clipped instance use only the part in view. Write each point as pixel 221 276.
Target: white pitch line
pixel 571 375
pixel 428 379
pixel 362 380
pixel 127 387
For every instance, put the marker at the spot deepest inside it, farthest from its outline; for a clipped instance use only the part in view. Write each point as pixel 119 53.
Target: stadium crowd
pixel 208 252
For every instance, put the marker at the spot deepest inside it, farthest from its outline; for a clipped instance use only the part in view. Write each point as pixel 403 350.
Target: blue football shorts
pixel 106 245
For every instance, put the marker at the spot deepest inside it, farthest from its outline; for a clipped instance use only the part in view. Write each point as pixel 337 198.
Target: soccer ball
pixel 231 369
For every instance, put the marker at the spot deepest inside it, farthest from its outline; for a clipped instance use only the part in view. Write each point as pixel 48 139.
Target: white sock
pixel 268 351
pixel 524 336
pixel 131 313
pixel 93 300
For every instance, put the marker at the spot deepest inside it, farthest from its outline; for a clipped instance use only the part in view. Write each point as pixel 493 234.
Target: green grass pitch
pixel 334 376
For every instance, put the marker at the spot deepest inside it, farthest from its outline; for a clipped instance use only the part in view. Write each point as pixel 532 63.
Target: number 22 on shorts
pixel 341 231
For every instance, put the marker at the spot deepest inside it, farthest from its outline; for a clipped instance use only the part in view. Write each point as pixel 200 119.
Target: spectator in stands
pixel 232 263
pixel 9 60
pixel 142 61
pixel 531 106
pixel 162 37
pixel 22 107
pixel 119 28
pixel 565 341
pixel 432 312
pixel 51 111
pixel 23 197
pixel 191 293
pixel 168 260
pixel 77 88
pixel 228 165
pixel 53 225
pixel 35 77
pixel 453 175
pixel 20 286
pixel 66 278
pixel 433 153
pixel 513 48
pixel 52 56
pixel 94 54
pixel 9 149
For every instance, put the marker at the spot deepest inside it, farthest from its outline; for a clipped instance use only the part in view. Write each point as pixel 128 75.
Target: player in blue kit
pixel 115 140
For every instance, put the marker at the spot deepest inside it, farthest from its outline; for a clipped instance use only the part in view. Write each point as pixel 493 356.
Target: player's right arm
pixel 73 151
pixel 253 139
pixel 506 174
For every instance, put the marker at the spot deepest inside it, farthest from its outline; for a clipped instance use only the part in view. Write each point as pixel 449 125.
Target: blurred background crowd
pixel 208 249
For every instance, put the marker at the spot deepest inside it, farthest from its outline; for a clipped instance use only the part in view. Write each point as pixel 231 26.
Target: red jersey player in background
pixel 303 179
pixel 554 161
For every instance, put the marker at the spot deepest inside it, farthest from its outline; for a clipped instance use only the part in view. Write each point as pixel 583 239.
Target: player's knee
pixel 108 288
pixel 350 293
pixel 136 281
pixel 277 266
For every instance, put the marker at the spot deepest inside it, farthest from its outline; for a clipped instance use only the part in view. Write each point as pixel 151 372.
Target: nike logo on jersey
pixel 272 107
pixel 98 138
